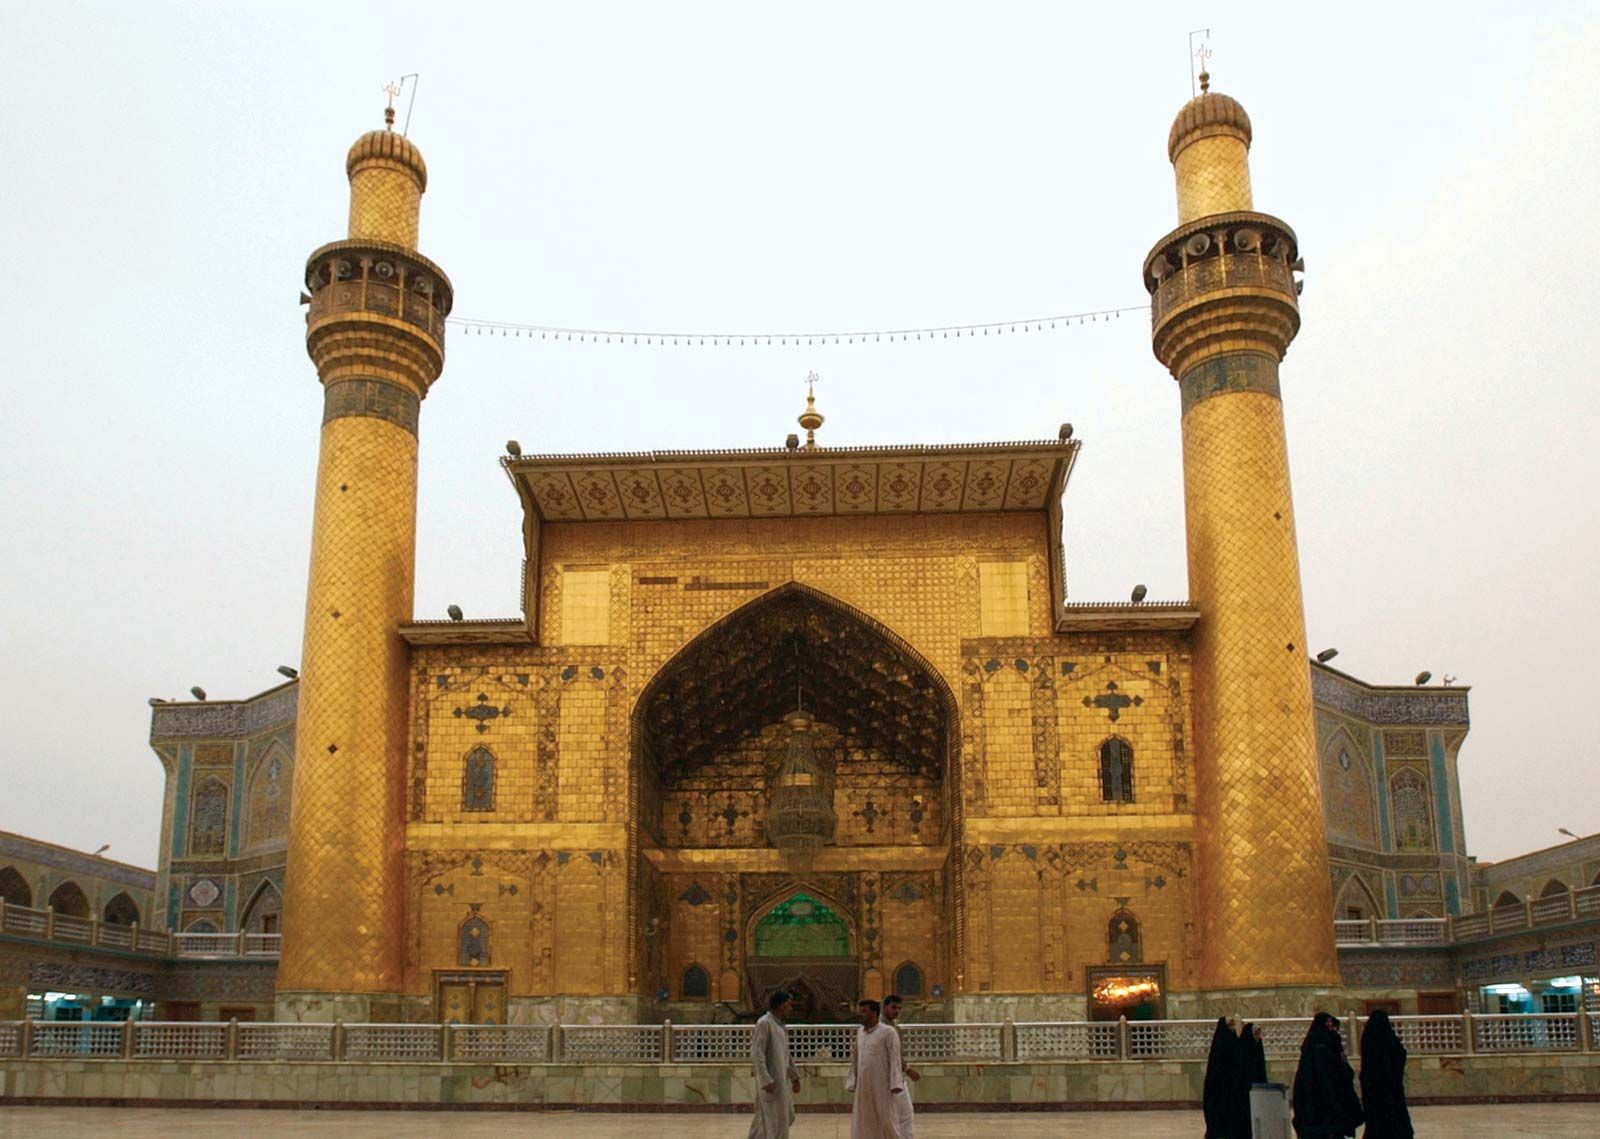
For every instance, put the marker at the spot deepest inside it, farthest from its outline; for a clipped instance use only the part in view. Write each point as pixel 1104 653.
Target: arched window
pixel 1552 888
pixel 1356 902
pixel 201 926
pixel 14 888
pixel 208 820
pixel 68 899
pixel 120 910
pixel 908 981
pixel 1507 898
pixel 477 781
pixel 264 914
pixel 1124 946
pixel 1116 771
pixel 696 984
pixel 473 942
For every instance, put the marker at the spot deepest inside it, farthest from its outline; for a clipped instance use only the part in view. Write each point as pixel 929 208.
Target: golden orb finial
pixel 1205 81
pixel 811 418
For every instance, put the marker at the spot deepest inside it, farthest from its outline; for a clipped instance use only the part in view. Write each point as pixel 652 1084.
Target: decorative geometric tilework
pixel 812 490
pixel 943 486
pixel 597 494
pixel 1408 803
pixel 986 485
pixel 641 494
pixel 208 821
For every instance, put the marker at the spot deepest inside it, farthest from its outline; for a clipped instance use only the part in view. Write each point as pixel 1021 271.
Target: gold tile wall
pixel 1031 747
pixel 586 606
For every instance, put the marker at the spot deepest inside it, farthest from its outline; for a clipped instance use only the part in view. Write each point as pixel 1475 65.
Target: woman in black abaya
pixel 1383 1080
pixel 1325 1103
pixel 1220 1096
pixel 1255 1058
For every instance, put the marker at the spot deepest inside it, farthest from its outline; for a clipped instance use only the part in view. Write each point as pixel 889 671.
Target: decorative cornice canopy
pixel 779 482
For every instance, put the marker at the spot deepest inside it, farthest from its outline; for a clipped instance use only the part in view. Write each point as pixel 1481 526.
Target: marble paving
pixel 1543 1121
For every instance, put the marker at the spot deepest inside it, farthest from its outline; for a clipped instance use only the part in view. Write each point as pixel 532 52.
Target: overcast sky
pixel 165 170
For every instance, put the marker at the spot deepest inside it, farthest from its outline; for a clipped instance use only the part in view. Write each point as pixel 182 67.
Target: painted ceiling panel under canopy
pixel 749 670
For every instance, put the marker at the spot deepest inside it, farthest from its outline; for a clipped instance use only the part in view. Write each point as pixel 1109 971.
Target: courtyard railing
pixel 48 925
pixel 729 1044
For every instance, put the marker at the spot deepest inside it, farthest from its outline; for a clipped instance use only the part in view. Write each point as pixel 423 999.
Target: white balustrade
pixel 1430 1035
pixel 1349 932
pixel 1508 917
pixel 1526 1032
pixel 154 941
pixel 934 1042
pixel 1547 911
pixel 206 944
pixel 1282 1036
pixel 1170 1039
pixel 1587 902
pixel 411 1043
pixel 611 1043
pixel 822 1043
pixel 500 1043
pixel 288 1041
pixel 84 1039
pixel 115 936
pixel 729 1044
pixel 711 1043
pixel 78 931
pixel 179 1040
pixel 1414 931
pixel 28 922
pixel 1069 1040
pixel 262 944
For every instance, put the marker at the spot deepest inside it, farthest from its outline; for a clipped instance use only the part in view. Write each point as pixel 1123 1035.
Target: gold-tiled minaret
pixel 1224 310
pixel 376 334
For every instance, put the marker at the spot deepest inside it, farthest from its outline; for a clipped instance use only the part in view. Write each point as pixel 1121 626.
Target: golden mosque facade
pixel 812 717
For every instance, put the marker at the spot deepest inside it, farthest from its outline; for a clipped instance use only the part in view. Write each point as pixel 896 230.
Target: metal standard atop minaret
pixel 1224 309
pixel 811 418
pixel 375 332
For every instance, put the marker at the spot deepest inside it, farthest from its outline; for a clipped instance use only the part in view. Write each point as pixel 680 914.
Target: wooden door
pixel 1370 1007
pixel 242 1013
pixel 1438 1004
pixel 180 1010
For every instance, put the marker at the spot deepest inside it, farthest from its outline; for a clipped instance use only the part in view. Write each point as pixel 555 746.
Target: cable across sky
pixel 474 326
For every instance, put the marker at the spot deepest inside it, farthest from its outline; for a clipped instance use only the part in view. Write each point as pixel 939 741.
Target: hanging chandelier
pixel 800 815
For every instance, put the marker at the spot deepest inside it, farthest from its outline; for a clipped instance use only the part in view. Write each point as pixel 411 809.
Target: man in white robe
pixel 905 1114
pixel 777 1081
pixel 877 1077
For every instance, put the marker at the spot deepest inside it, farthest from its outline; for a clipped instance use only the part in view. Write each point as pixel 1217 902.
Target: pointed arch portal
pixel 708 735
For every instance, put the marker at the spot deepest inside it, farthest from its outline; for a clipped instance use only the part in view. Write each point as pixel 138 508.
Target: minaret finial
pixel 391 89
pixel 811 418
pixel 1200 55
